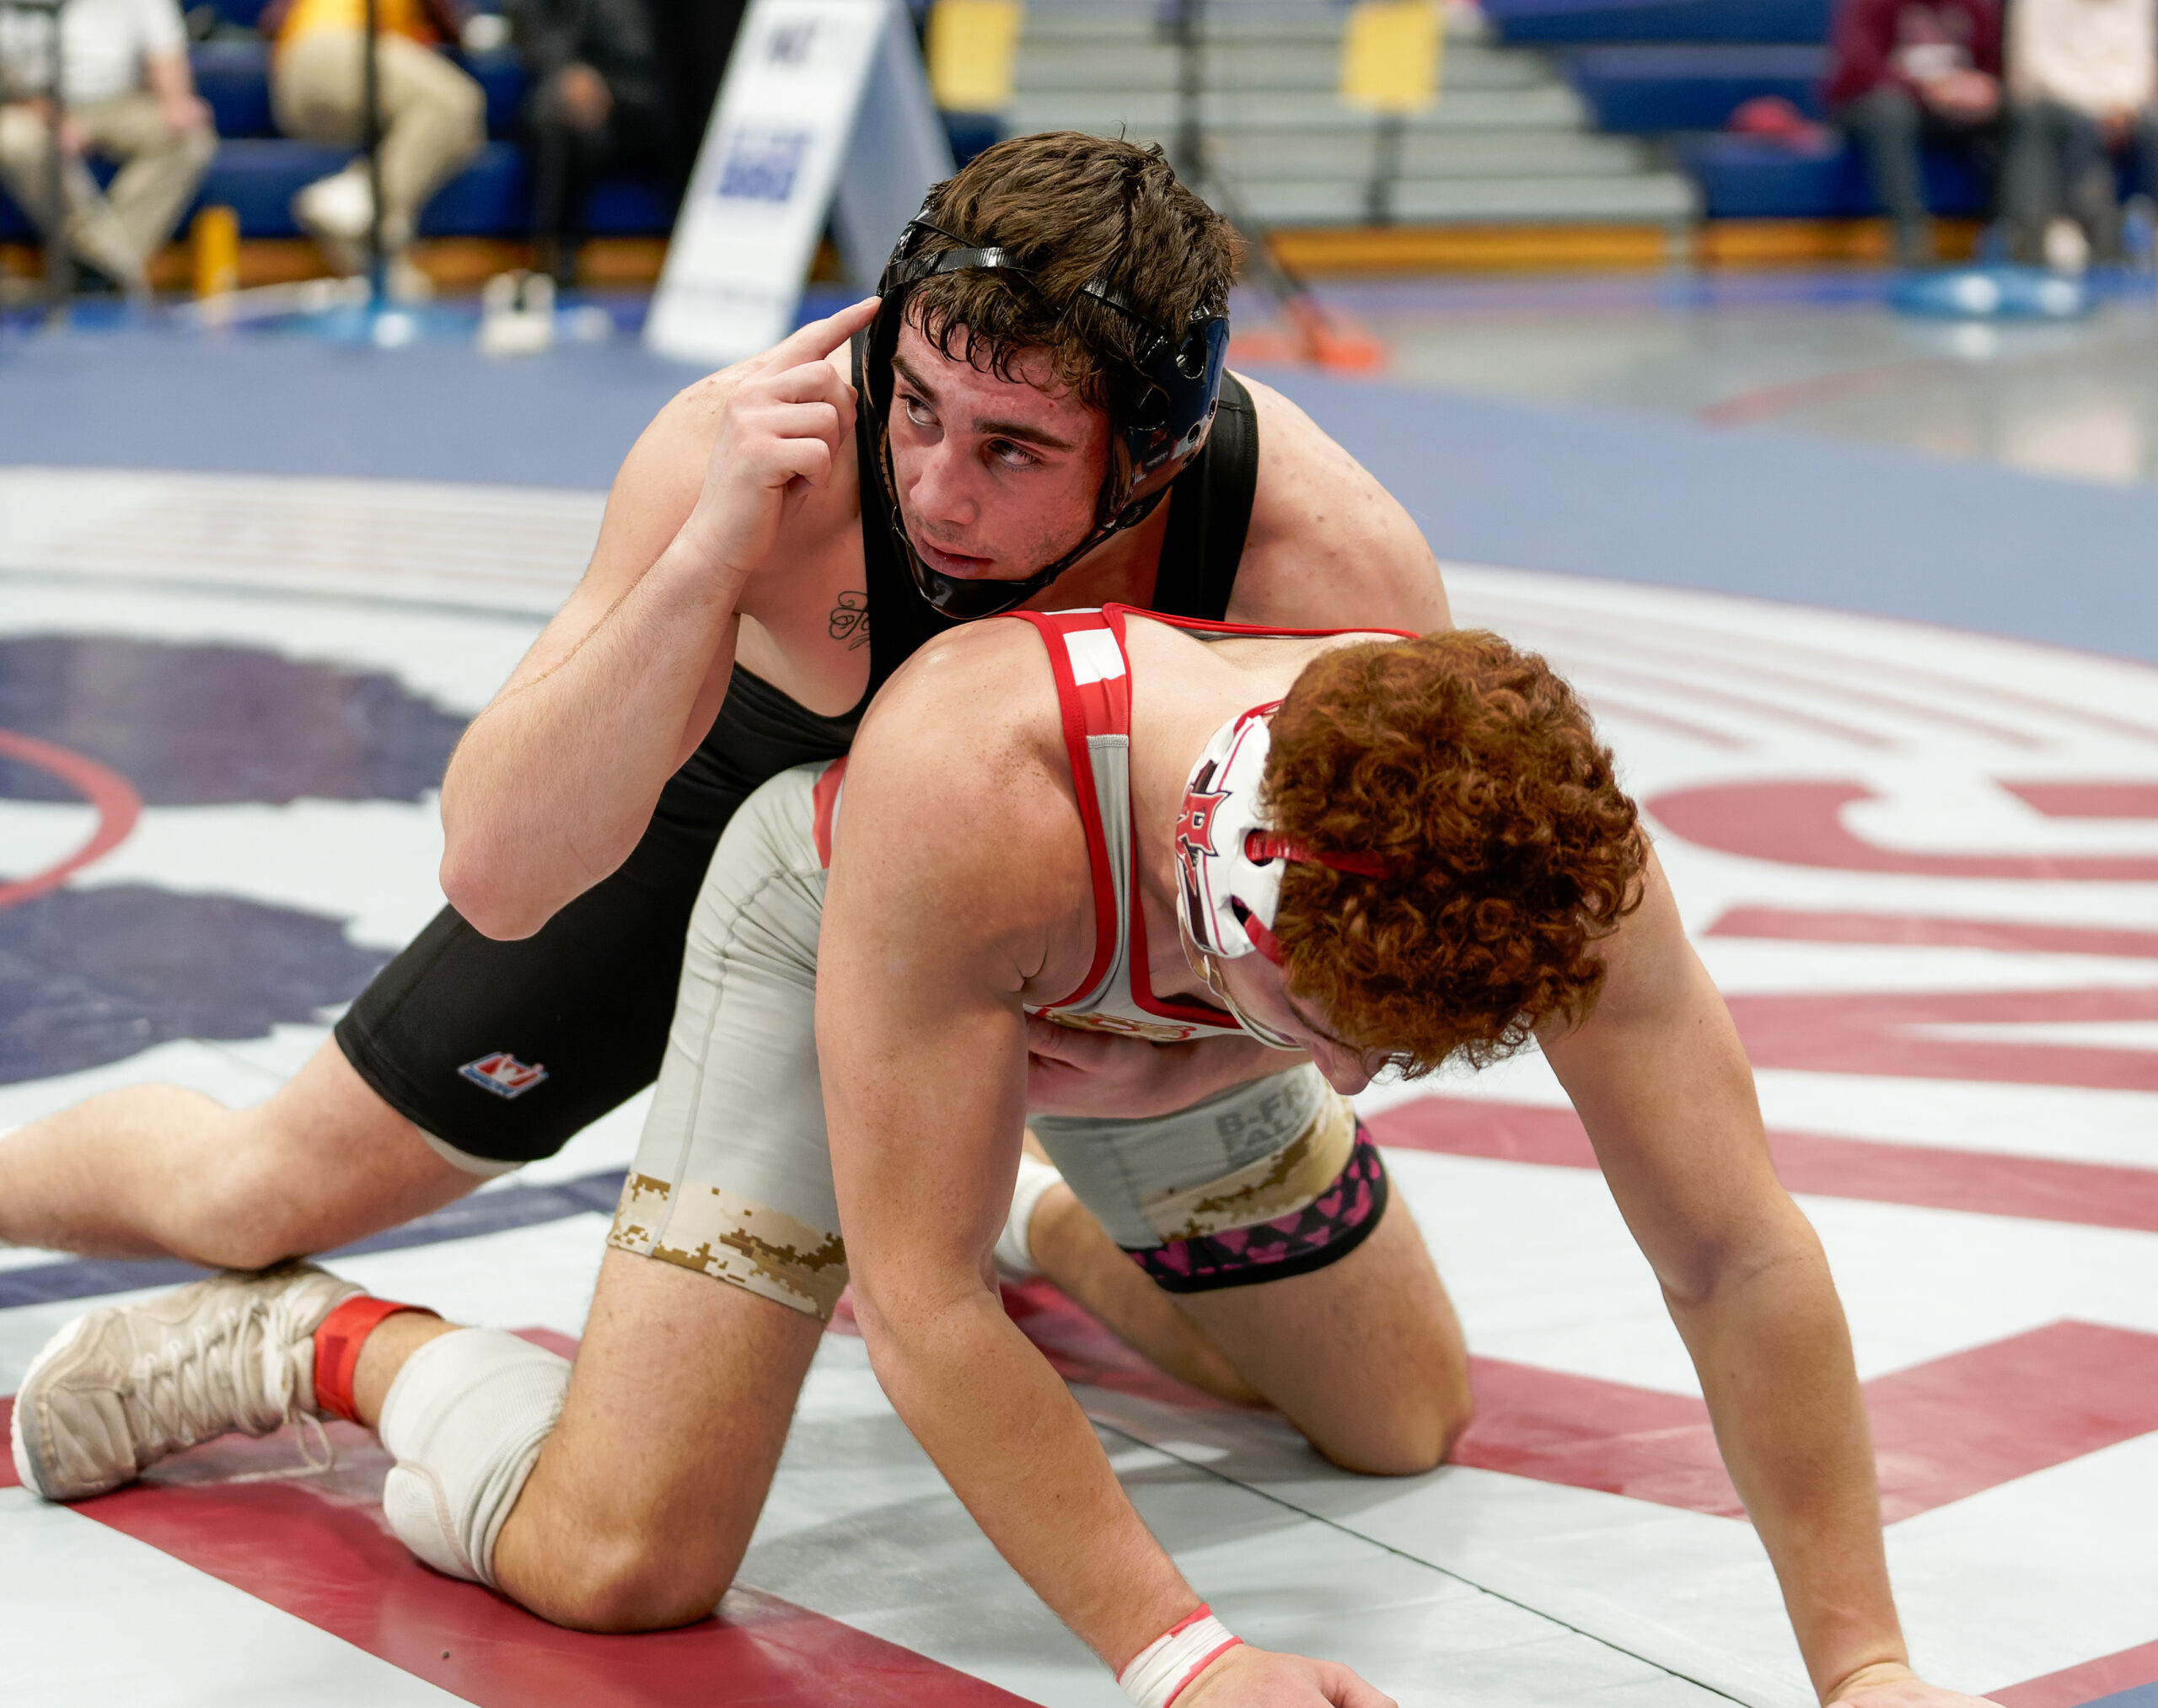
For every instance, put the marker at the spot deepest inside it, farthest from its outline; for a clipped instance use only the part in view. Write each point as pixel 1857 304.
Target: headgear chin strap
pixel 1229 859
pixel 1157 423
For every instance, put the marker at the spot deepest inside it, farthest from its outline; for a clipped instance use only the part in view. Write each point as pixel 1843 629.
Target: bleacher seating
pixel 1680 68
pixel 256 171
pixel 1746 178
pixel 1535 23
pixel 1646 88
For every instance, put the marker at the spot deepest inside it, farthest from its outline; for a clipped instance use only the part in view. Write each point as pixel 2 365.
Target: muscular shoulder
pixel 958 782
pixel 1328 547
pixel 981 697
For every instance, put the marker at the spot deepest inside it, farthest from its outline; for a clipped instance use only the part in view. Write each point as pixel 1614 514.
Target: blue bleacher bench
pixel 1647 88
pixel 1542 22
pixel 1749 178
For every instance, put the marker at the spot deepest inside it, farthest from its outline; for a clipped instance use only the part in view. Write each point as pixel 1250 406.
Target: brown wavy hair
pixel 1071 210
pixel 1474 771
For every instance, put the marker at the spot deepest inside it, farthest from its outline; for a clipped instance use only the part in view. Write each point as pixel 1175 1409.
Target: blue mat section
pixel 484 1212
pixel 277 405
pixel 2142 1696
pixel 1602 492
pixel 1652 498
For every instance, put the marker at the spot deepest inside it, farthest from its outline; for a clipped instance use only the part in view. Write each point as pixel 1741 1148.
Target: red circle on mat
pixel 118 806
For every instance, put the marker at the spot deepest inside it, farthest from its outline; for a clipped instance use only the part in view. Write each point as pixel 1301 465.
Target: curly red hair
pixel 1474 771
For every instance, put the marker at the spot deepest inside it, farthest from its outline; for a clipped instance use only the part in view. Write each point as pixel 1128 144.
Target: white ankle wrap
pixel 1015 1257
pixel 466 1420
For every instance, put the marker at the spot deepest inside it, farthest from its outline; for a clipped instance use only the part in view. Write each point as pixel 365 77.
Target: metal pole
pixel 1386 168
pixel 370 131
pixel 1189 28
pixel 59 256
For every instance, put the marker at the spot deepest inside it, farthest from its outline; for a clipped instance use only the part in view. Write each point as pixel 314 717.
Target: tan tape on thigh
pixel 727 1236
pixel 1267 1189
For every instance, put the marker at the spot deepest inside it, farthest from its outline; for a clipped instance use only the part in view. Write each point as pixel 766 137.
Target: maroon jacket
pixel 1874 40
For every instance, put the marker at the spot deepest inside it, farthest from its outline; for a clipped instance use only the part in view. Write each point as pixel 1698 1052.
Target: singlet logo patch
pixel 503 1074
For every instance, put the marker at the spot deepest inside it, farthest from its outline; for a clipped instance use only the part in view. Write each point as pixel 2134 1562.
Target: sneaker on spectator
pixel 2067 250
pixel 404 282
pixel 335 211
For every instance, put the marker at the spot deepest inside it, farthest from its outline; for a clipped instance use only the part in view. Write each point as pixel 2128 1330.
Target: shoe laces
pixel 197 1386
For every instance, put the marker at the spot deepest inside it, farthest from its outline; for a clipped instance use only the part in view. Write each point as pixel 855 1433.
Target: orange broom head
pixel 1305 332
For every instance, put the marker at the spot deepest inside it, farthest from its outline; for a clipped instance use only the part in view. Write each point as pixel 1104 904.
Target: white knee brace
pixel 466 1420
pixel 1015 1254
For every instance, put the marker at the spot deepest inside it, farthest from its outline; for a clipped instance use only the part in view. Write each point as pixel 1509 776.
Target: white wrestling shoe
pixel 118 1389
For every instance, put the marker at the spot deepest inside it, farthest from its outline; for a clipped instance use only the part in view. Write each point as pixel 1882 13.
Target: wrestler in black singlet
pixel 589 995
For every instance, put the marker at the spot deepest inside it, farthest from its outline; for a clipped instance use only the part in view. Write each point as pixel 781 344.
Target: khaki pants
pixel 119 230
pixel 433 116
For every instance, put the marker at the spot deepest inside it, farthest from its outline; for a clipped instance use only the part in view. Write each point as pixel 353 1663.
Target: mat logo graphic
pixel 503 1074
pixel 761 164
pixel 116 730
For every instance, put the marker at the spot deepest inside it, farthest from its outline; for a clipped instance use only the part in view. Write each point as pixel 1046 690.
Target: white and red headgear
pixel 1228 858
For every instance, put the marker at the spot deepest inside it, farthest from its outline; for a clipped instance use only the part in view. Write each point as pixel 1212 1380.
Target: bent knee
pixel 464 104
pixel 624 1586
pixel 250 1212
pixel 241 1223
pixel 1416 1434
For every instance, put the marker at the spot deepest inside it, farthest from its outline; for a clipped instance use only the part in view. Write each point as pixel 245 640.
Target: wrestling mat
pixel 1922 864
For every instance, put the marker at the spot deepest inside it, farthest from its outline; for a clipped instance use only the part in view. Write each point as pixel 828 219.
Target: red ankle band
pixel 337 1343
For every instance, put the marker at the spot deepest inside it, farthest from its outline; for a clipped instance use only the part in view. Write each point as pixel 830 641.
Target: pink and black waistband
pixel 1324 1231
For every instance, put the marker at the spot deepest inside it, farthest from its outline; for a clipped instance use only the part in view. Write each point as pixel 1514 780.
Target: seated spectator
pixel 2083 85
pixel 433 119
pixel 596 104
pixel 127 94
pixel 1907 71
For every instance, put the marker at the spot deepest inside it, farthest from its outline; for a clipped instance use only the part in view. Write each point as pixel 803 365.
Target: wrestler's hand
pixel 1249 1678
pixel 1075 1072
pixel 1893 1685
pixel 783 431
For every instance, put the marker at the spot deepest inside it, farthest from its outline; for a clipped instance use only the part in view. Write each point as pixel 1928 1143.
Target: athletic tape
pixel 338 1338
pixel 1156 1675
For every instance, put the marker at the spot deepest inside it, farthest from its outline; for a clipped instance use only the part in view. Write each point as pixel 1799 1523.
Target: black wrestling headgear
pixel 1159 421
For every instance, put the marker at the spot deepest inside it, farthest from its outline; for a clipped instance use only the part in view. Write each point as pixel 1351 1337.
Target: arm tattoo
pixel 850 619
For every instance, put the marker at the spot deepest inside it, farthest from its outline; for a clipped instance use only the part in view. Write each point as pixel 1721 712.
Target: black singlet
pixel 503 1050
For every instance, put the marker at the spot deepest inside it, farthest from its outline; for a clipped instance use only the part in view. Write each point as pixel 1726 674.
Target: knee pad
pixel 1015 1254
pixel 466 1420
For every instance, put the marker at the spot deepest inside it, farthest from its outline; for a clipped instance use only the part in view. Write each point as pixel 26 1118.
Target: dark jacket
pixel 614 37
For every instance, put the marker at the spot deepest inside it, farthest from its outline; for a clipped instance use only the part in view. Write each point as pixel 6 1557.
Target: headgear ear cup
pixel 1156 426
pixel 1229 858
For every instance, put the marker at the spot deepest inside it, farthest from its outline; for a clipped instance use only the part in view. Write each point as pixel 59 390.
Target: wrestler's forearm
pixel 1022 1457
pixel 553 784
pixel 1774 1354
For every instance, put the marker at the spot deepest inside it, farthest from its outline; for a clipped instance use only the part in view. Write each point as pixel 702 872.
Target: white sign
pixel 824 113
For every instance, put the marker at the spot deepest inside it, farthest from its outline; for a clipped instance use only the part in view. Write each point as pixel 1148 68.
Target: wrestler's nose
pixel 942 493
pixel 1341 1069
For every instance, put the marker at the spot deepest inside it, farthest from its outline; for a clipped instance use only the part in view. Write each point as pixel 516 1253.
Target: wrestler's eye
pixel 1012 454
pixel 918 412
